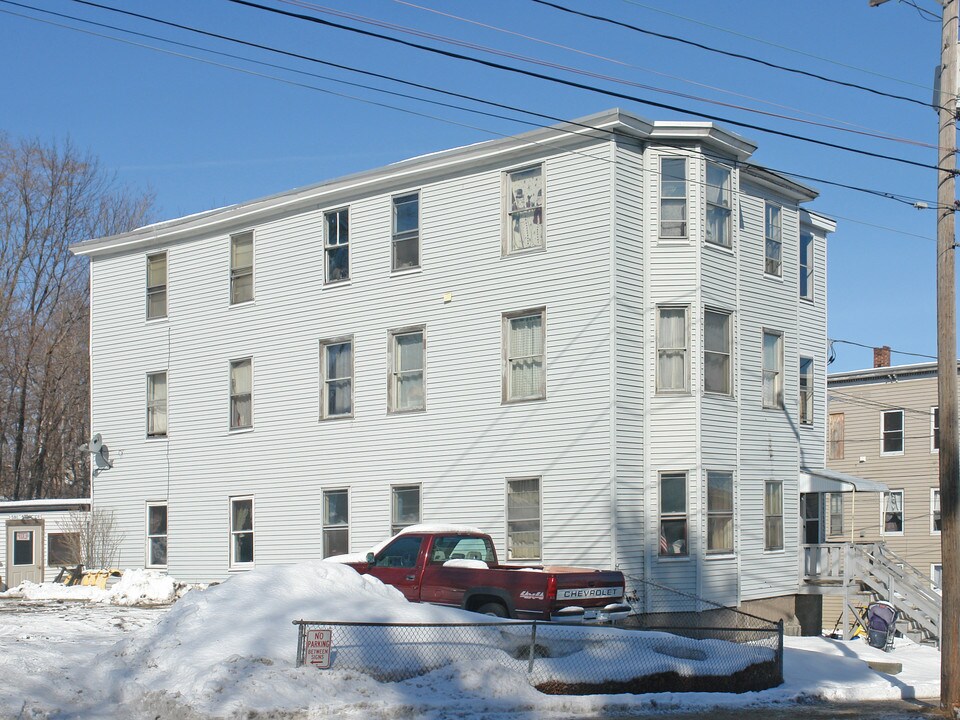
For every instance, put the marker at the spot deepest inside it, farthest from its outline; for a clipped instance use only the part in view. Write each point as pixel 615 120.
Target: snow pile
pixel 135 587
pixel 55 591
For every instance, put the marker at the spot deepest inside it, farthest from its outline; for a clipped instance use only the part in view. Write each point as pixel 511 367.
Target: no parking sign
pixel 317 648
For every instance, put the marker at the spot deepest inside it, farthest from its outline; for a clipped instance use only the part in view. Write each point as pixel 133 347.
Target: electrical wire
pixel 872 347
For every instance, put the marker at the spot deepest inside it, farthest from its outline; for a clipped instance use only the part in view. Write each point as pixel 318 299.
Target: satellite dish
pixel 95 444
pixel 102 457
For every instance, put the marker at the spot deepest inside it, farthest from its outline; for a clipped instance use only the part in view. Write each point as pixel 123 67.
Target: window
pixel 401 553
pixel 336 523
pixel 336 389
pixel 524 373
pixel 673 367
pixel 336 245
pixel 405 507
pixel 673 197
pixel 241 394
pixel 23 547
pixel 241 267
pixel 891 521
pixel 157 535
pixel 835 433
pixel 773 245
pixel 241 531
pixel 716 352
pixel 719 205
pixel 935 511
pixel 523 519
pixel 806 391
pixel 406 232
pixel 462 547
pixel 935 429
pixel 936 575
pixel 836 513
pixel 156 285
pixel 157 404
pixel 891 427
pixel 406 391
pixel 525 207
pixel 673 514
pixel 772 369
pixel 773 515
pixel 62 549
pixel 806 266
pixel 719 512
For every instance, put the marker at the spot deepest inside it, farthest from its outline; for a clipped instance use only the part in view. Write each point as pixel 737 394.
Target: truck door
pixel 400 564
pixel 24 552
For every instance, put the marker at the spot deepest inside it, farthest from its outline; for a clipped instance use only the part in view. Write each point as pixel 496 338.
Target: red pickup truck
pixel 458 567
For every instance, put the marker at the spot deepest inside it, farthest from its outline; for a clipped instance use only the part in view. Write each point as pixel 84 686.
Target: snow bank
pixel 135 587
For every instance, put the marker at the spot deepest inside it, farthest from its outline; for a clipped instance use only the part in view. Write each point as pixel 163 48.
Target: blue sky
pixel 201 135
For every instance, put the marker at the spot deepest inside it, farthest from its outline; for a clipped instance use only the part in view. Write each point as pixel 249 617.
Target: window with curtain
pixel 405 507
pixel 407 391
pixel 523 519
pixel 241 531
pixel 336 523
pixel 524 371
pixel 336 245
pixel 157 535
pixel 772 369
pixel 156 285
pixel 673 197
pixel 406 231
pixel 773 245
pixel 336 364
pixel 806 391
pixel 241 394
pixel 717 366
pixel 673 334
pixel 673 514
pixel 891 426
pixel 157 404
pixel 719 512
pixel 241 267
pixel 719 205
pixel 806 266
pixel 525 207
pixel 773 515
pixel 935 525
pixel 836 513
pixel 892 518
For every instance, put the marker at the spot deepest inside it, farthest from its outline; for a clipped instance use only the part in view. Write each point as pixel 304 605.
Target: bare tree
pixel 50 197
pixel 93 538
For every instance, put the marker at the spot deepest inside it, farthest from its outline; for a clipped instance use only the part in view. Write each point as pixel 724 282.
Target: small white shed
pixel 34 540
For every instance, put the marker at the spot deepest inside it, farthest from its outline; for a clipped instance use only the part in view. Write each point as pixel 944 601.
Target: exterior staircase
pixel 873 571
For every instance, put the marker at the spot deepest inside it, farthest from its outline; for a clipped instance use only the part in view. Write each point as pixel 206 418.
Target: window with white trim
pixel 241 394
pixel 806 390
pixel 673 348
pixel 891 518
pixel 241 532
pixel 717 365
pixel 241 267
pixel 524 206
pixel 156 534
pixel 935 429
pixel 773 243
pixel 524 356
pixel 891 432
pixel 405 242
pixel 773 515
pixel 719 512
pixel 336 245
pixel 156 285
pixel 806 266
pixel 336 382
pixel 673 197
pixel 935 524
pixel 157 404
pixel 772 369
pixel 336 522
pixel 523 519
pixel 936 576
pixel 673 514
pixel 719 205
pixel 407 353
pixel 836 513
pixel 404 507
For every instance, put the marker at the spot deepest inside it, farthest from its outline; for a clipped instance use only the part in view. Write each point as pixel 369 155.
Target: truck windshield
pixel 402 552
pixel 462 547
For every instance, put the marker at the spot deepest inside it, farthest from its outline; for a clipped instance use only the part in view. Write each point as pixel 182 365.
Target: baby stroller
pixel 881 624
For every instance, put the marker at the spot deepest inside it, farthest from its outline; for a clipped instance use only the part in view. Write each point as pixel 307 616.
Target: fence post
pixel 780 650
pixel 533 646
pixel 301 636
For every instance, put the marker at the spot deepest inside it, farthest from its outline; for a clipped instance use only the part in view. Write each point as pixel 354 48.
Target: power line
pixel 872 347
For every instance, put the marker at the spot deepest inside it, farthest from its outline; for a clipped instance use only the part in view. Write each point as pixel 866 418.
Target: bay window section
pixel 806 391
pixel 806 266
pixel 772 369
pixel 773 243
pixel 719 205
pixel 673 342
pixel 673 197
pixel 717 366
pixel 719 512
pixel 773 515
pixel 673 514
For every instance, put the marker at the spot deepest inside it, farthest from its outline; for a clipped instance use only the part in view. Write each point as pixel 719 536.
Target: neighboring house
pixel 34 544
pixel 883 425
pixel 603 342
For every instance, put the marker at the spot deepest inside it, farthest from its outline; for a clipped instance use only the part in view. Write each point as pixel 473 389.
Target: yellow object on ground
pixel 98 578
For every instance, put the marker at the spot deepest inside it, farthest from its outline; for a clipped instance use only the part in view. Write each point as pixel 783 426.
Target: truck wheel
pixel 493 608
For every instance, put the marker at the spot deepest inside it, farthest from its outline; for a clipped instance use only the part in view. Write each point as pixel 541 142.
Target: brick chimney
pixel 881 356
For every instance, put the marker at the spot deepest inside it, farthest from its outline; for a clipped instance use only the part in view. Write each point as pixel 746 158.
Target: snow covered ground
pixel 229 651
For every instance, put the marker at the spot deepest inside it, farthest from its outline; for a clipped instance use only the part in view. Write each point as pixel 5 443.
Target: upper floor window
pixel 241 532
pixel 336 522
pixel 524 376
pixel 406 232
pixel 156 285
pixel 404 507
pixel 935 526
pixel 892 513
pixel 773 245
pixel 934 429
pixel 719 512
pixel 336 389
pixel 241 267
pixel 716 352
pixel 523 519
pixel 673 197
pixel 806 266
pixel 772 369
pixel 835 432
pixel 336 245
pixel 157 404
pixel 241 394
pixel 891 432
pixel 673 514
pixel 806 391
pixel 773 515
pixel 719 205
pixel 407 356
pixel 673 343
pixel 524 210
pixel 156 535
pixel 836 513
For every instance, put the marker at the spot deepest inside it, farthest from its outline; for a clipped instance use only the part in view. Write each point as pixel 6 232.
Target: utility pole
pixel 947 363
